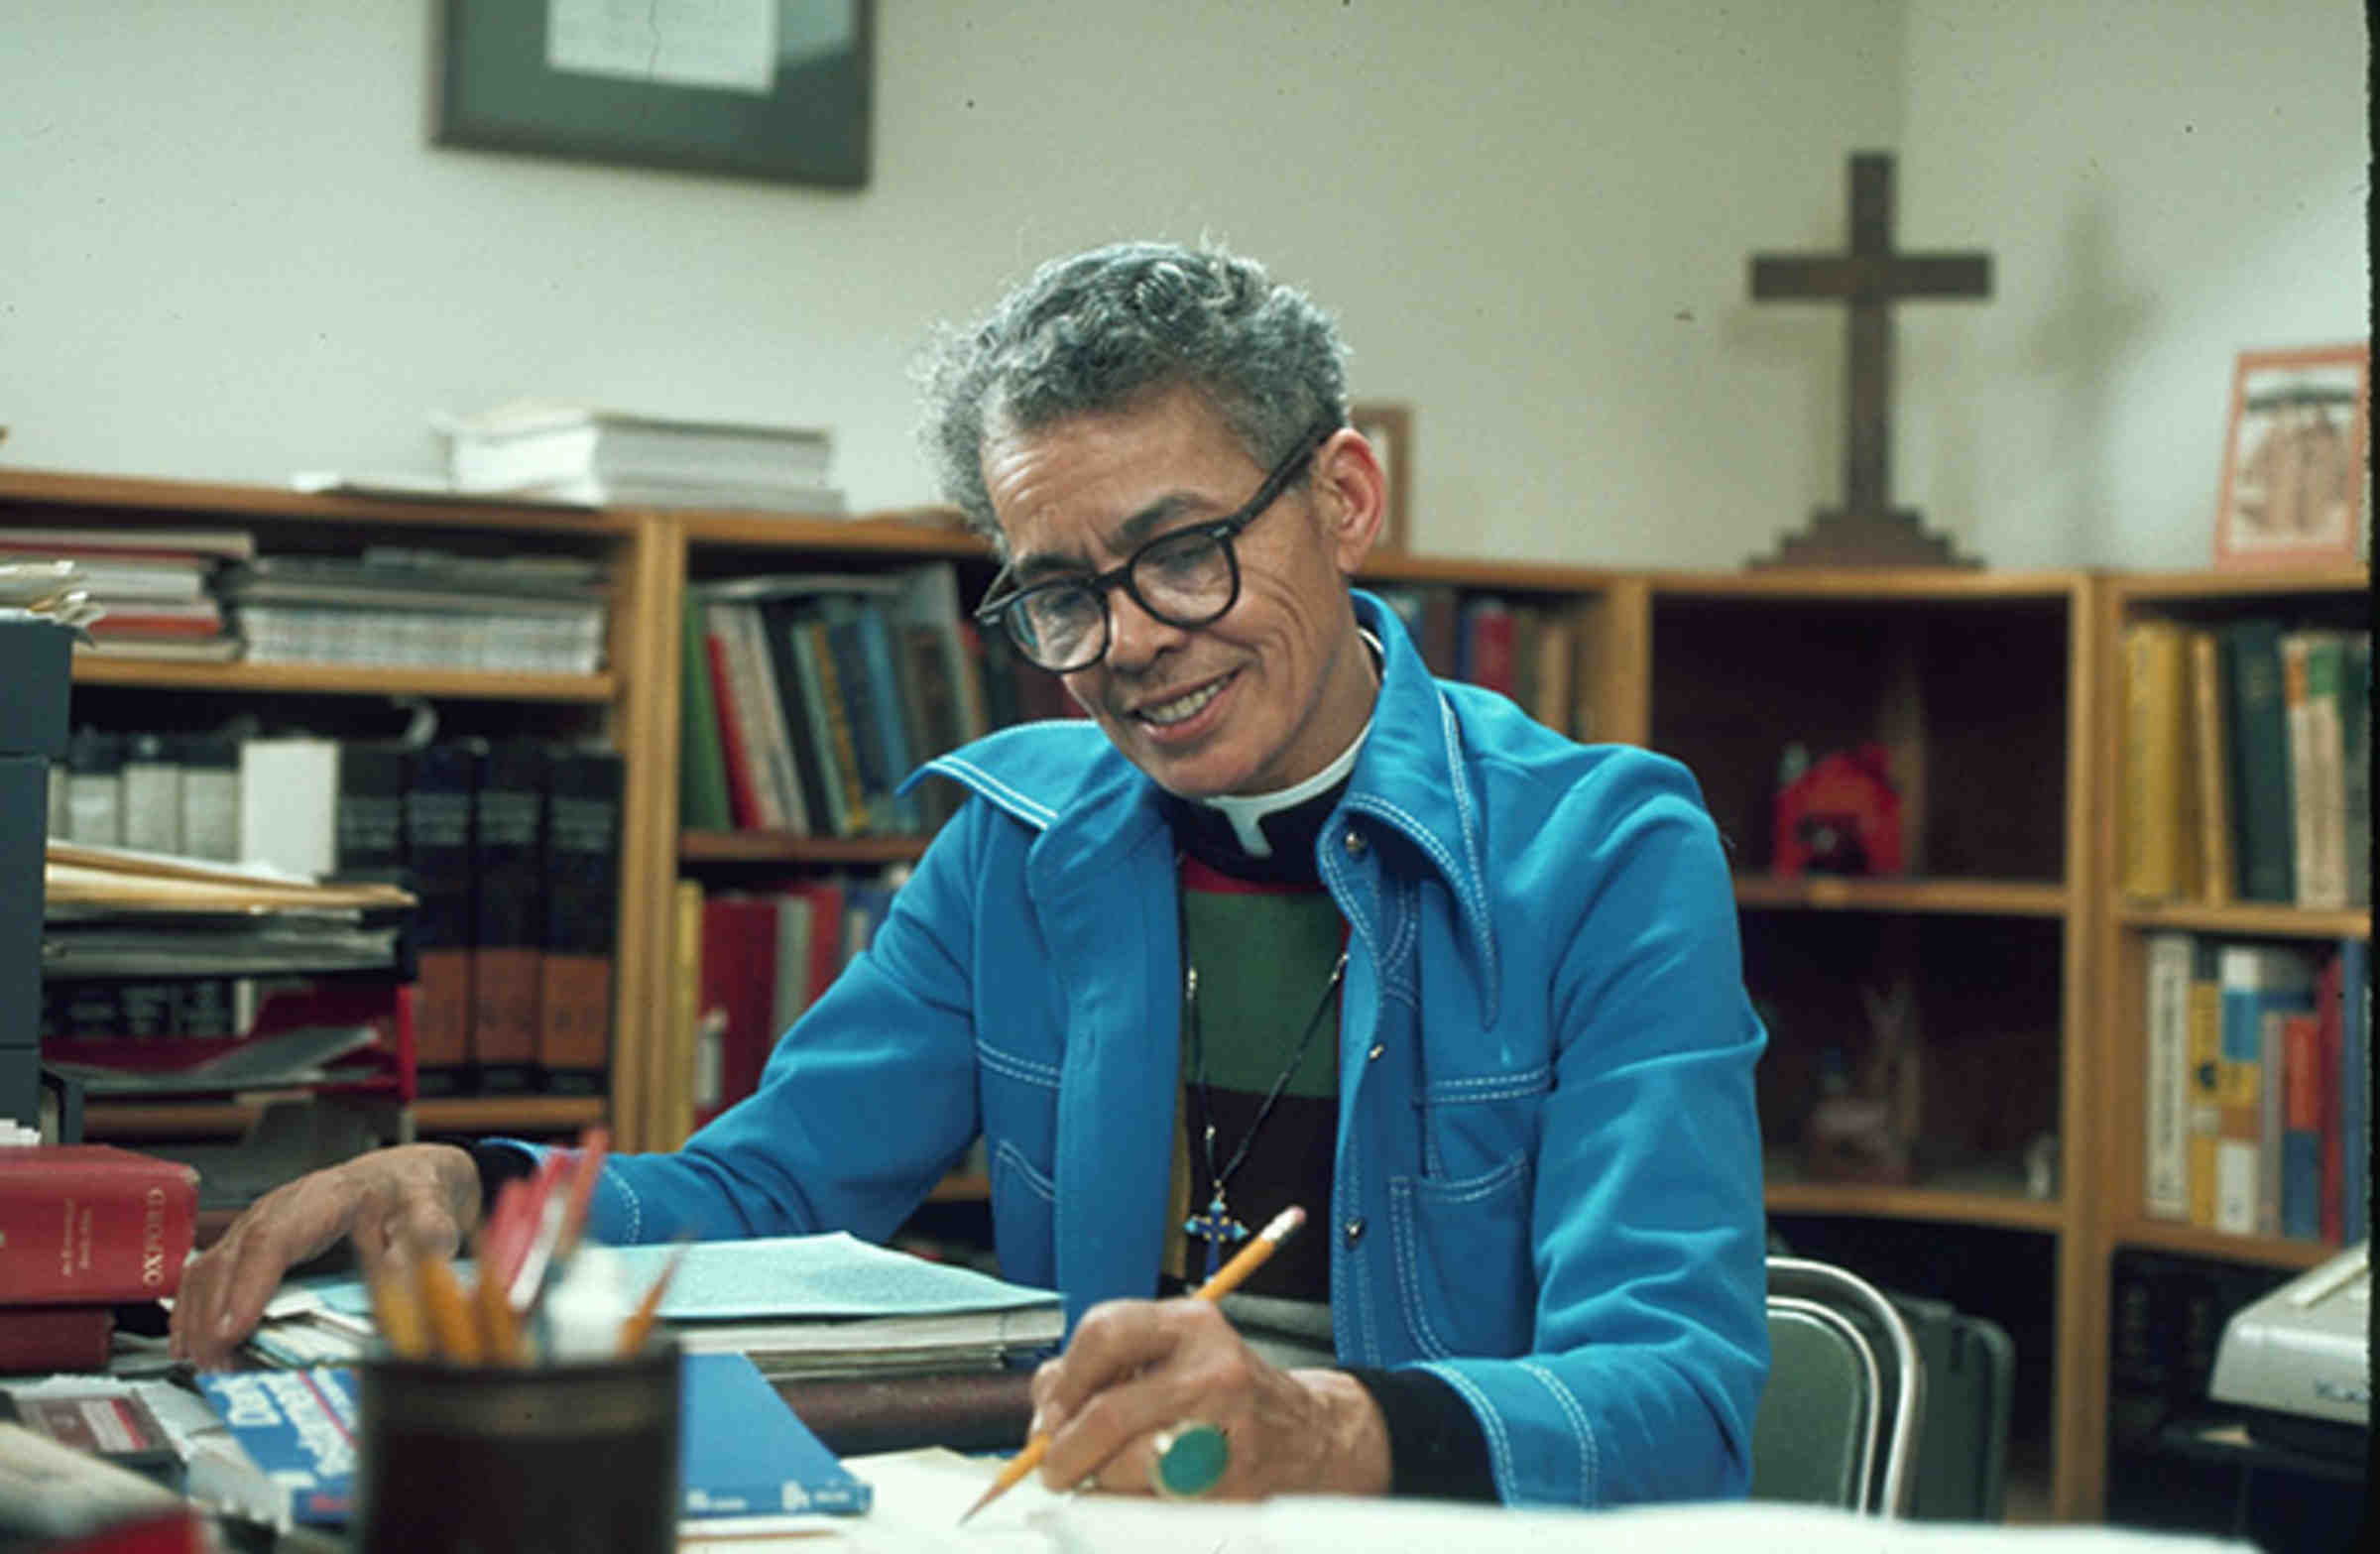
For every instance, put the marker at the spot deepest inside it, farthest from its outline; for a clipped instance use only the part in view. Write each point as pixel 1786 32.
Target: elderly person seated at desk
pixel 1286 920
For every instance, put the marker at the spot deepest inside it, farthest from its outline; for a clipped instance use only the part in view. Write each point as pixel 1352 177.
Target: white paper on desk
pixel 1296 1525
pixel 919 1496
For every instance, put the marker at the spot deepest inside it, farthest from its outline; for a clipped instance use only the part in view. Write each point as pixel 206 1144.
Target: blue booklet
pixel 298 1428
pixel 742 1452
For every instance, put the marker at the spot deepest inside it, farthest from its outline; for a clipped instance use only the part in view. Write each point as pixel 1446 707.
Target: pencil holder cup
pixel 558 1458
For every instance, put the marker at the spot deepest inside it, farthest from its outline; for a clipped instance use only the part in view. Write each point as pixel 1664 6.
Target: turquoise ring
pixel 1191 1460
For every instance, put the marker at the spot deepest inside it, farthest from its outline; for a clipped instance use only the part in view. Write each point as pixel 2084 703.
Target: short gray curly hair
pixel 1102 330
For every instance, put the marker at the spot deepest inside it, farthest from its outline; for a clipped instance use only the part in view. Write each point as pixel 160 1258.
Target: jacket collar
pixel 1089 805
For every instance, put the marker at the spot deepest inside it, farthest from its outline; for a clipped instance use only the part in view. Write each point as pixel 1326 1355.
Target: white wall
pixel 231 253
pixel 2161 185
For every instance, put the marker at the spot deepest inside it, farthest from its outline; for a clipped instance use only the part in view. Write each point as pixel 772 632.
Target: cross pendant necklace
pixel 1216 1226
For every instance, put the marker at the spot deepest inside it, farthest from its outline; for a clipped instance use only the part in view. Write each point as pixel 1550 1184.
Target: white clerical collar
pixel 1246 811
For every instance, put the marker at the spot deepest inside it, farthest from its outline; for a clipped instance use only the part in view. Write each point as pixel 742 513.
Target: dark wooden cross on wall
pixel 1867 529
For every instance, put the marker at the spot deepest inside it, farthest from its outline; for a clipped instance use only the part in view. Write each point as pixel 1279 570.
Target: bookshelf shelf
pixel 2224 588
pixel 920 534
pixel 267 507
pixel 508 1114
pixel 2275 922
pixel 1938 1205
pixel 761 847
pixel 229 1119
pixel 1975 897
pixel 346 680
pixel 2274 1251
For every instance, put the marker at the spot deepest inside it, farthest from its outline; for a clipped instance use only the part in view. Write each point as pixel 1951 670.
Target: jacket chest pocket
pixel 1464 1274
pixel 1464 1277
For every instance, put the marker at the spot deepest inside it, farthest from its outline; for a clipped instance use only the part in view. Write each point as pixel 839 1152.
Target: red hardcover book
pixel 92 1223
pixel 37 1339
pixel 739 980
pixel 826 933
pixel 1491 660
pixel 740 803
pixel 2328 1061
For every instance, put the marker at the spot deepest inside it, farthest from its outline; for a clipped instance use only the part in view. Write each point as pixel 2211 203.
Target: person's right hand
pixel 422 1199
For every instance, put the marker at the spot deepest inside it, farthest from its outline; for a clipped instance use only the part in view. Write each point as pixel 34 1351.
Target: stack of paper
pixel 797 1305
pixel 577 453
pixel 423 609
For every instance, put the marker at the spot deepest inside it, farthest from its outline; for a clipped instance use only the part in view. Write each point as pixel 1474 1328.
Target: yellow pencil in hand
pixel 1226 1279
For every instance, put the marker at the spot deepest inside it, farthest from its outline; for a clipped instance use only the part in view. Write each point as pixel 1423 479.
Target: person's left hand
pixel 1136 1368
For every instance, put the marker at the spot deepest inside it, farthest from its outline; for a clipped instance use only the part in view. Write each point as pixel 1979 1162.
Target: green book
pixel 701 768
pixel 2257 731
pixel 2355 776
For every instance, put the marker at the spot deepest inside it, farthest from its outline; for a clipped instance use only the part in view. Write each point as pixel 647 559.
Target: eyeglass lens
pixel 1183 579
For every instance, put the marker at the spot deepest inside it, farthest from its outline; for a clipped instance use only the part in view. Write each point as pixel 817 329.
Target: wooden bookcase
pixel 2331 596
pixel 1982 691
pixel 1993 694
pixel 131 695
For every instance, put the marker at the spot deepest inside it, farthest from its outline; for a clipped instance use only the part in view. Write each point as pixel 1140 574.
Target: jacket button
pixel 1374 1055
pixel 1353 1230
pixel 1352 842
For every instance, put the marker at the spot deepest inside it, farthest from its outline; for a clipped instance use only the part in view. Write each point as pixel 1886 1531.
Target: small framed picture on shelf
pixel 2293 459
pixel 1390 429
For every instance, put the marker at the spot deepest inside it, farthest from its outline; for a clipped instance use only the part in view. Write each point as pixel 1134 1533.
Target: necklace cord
pixel 1216 1180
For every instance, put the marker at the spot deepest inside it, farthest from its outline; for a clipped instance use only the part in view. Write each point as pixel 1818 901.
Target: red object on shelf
pixel 38 1339
pixel 388 1066
pixel 1841 817
pixel 88 1224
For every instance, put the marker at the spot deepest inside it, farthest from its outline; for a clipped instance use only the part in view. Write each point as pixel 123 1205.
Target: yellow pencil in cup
pixel 1226 1279
pixel 453 1332
pixel 638 1326
pixel 396 1310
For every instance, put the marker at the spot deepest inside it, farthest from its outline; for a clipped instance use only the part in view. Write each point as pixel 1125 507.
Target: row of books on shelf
pixel 205 595
pixel 2258 1085
pixel 2248 762
pixel 510 848
pixel 753 960
pixel 1527 651
pixel 809 698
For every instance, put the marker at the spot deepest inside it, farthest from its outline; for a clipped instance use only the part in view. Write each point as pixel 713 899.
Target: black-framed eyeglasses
pixel 1187 577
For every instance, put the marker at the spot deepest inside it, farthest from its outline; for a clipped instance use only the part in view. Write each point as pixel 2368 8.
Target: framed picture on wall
pixel 1389 430
pixel 2293 490
pixel 773 90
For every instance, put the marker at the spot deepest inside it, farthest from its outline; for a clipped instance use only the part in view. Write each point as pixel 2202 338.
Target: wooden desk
pixel 966 1411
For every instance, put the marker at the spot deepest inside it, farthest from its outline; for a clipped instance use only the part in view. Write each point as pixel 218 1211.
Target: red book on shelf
pixel 38 1339
pixel 84 1223
pixel 739 980
pixel 740 806
pixel 1494 633
pixel 2326 1061
pixel 826 933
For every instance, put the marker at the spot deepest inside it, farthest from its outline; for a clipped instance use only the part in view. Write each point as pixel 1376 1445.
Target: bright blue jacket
pixel 1548 1177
